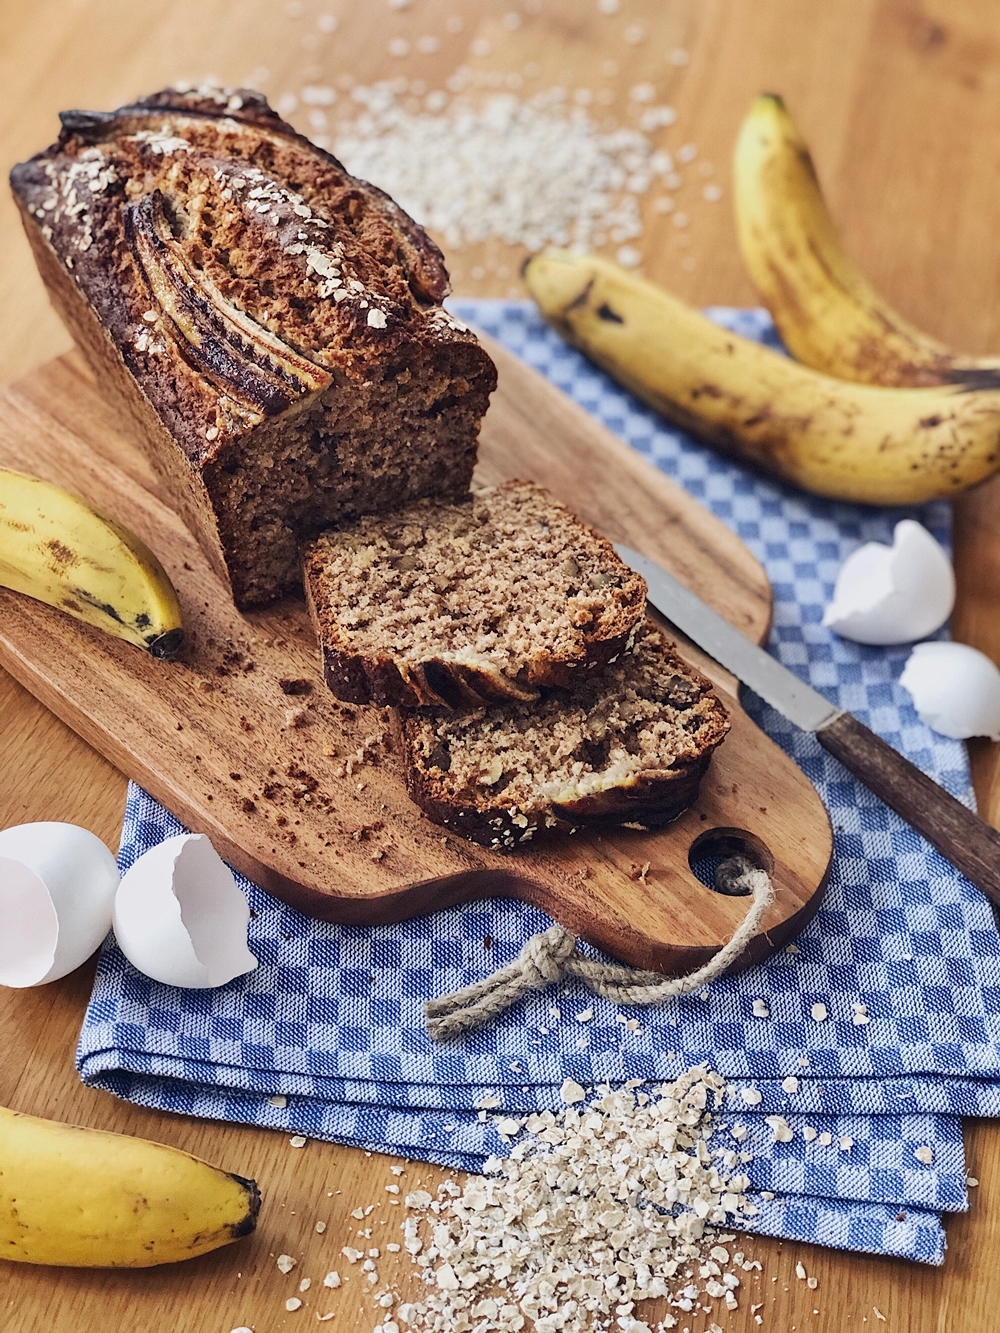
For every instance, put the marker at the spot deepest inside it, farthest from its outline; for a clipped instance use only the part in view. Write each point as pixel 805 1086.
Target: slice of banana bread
pixel 469 603
pixel 271 327
pixel 629 744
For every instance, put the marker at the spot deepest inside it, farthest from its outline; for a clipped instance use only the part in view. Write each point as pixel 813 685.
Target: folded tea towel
pixel 333 1017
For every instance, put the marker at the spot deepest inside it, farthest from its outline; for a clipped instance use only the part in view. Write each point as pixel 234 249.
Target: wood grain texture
pixel 899 101
pixel 239 738
pixel 968 842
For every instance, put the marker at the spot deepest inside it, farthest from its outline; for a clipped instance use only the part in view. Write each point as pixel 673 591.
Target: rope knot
pixel 547 957
pixel 544 957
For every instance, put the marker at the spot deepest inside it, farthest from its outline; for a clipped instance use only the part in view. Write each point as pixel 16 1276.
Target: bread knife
pixel 969 843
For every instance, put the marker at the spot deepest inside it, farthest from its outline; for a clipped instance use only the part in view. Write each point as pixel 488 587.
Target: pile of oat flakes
pixel 616 1199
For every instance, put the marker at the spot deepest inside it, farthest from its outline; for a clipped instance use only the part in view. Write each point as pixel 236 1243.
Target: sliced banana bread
pixel 463 604
pixel 270 326
pixel 630 743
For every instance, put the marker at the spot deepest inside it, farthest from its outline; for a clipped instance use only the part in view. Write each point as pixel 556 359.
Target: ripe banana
pixel 83 1198
pixel 54 547
pixel 846 441
pixel 828 315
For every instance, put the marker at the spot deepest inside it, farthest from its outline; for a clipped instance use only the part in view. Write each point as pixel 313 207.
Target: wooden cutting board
pixel 304 795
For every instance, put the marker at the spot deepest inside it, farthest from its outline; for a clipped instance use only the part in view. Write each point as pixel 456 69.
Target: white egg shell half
pixel 57 888
pixel 180 917
pixel 955 688
pixel 893 594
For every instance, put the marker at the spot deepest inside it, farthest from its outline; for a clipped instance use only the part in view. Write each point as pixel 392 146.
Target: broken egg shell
pixel 955 689
pixel 180 918
pixel 893 594
pixel 57 887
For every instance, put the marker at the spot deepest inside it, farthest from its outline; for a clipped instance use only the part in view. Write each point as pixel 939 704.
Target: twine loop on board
pixel 552 954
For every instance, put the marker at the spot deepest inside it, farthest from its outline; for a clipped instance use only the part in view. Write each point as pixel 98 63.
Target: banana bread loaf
pixel 629 744
pixel 460 604
pixel 272 326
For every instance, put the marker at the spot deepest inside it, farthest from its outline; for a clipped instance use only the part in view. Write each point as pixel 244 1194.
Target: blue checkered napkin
pixel 332 1018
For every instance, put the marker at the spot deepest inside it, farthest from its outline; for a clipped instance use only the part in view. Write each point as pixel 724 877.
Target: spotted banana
pixel 84 1198
pixel 55 548
pixel 827 313
pixel 843 440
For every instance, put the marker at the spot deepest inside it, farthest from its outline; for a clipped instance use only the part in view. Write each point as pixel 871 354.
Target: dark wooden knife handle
pixel 969 843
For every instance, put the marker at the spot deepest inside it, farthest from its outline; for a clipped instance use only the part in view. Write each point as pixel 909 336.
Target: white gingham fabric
pixel 332 1017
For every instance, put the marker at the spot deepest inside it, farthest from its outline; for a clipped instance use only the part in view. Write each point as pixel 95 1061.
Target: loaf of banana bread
pixel 463 603
pixel 271 326
pixel 628 744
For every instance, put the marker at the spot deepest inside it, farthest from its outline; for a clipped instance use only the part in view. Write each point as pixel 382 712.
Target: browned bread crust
pixel 629 745
pixel 271 326
pixel 462 604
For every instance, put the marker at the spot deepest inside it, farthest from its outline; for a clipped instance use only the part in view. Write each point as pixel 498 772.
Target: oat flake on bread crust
pixel 269 326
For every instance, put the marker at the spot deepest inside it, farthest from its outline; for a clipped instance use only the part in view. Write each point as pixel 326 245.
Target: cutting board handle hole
pixel 716 844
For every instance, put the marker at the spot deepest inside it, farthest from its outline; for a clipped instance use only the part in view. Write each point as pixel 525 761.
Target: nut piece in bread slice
pixel 269 326
pixel 629 744
pixel 478 602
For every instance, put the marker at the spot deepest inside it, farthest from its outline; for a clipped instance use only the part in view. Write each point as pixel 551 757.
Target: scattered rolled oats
pixel 599 1206
pixel 285 1263
pixel 924 1154
pixel 780 1128
pixel 819 1012
pixel 332 1279
pixel 298 1140
pixel 790 1085
pixel 760 1009
pixel 533 172
pixel 293 1303
pixel 571 1092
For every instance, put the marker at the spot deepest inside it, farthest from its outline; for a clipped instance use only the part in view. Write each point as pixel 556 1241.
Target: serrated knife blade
pixel 970 844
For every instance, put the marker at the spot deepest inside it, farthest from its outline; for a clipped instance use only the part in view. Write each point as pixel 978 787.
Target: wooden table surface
pixel 900 100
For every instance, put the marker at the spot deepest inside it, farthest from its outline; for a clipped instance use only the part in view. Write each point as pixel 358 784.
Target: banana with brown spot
pixel 84 1198
pixel 55 548
pixel 846 441
pixel 827 313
